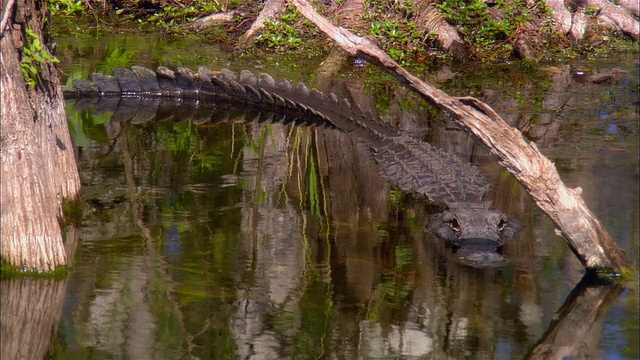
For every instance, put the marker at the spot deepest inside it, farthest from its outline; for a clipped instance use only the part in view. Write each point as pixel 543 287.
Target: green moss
pixel 628 273
pixel 608 275
pixel 9 271
pixel 72 210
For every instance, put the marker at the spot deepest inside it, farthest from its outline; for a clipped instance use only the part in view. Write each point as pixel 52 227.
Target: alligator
pixel 474 231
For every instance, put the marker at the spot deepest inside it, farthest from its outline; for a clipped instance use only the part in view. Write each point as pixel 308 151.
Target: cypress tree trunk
pixel 38 164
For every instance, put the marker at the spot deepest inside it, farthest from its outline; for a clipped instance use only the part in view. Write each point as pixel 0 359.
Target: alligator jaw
pixel 479 254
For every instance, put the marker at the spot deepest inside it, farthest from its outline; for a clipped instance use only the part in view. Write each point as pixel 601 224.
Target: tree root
pixel 272 9
pixel 428 19
pixel 616 18
pixel 612 17
pixel 212 20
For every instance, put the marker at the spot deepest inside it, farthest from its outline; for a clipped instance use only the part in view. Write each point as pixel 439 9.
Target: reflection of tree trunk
pixel 272 242
pixel 38 165
pixel 151 247
pixel 30 315
pixel 545 130
pixel 576 326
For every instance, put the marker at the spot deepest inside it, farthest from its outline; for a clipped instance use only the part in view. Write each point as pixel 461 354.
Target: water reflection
pixel 240 240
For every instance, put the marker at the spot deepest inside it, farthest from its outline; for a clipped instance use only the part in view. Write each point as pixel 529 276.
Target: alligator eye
pixel 502 223
pixel 454 224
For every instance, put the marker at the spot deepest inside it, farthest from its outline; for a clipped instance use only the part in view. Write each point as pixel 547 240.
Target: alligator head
pixel 476 235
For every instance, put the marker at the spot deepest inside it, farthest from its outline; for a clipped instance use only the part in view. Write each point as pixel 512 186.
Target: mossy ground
pixel 8 271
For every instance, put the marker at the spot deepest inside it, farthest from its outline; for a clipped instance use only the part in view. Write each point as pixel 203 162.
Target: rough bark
pixel 632 6
pixel 587 238
pixel 576 24
pixel 350 13
pixel 616 18
pixel 272 9
pixel 212 20
pixel 428 18
pixel 38 164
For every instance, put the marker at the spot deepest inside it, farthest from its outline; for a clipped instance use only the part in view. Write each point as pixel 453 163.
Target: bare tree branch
pixel 586 237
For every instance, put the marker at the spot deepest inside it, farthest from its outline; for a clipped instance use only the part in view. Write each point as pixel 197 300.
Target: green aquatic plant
pixel 66 7
pixel 489 37
pixel 397 34
pixel 285 33
pixel 34 56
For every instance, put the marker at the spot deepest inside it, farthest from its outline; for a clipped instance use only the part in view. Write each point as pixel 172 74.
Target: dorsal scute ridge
pixel 278 100
pixel 186 82
pixel 266 81
pixel 266 96
pixel 302 89
pixel 165 71
pixel 316 94
pixel 107 84
pixel 222 86
pixel 253 95
pixel 237 90
pixel 244 87
pixel 247 77
pixel 85 86
pixel 127 80
pixel 206 72
pixel 285 85
pixel 185 71
pixel 290 103
pixel 148 80
pixel 228 74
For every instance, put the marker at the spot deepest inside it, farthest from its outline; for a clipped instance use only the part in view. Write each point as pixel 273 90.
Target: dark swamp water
pixel 226 240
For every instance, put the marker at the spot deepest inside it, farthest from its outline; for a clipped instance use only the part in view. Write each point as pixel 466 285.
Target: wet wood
pixel 586 237
pixel 576 326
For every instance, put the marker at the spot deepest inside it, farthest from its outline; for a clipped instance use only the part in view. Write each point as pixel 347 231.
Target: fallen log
pixel 585 236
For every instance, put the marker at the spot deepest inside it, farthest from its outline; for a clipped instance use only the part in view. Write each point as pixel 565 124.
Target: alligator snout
pixel 479 253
